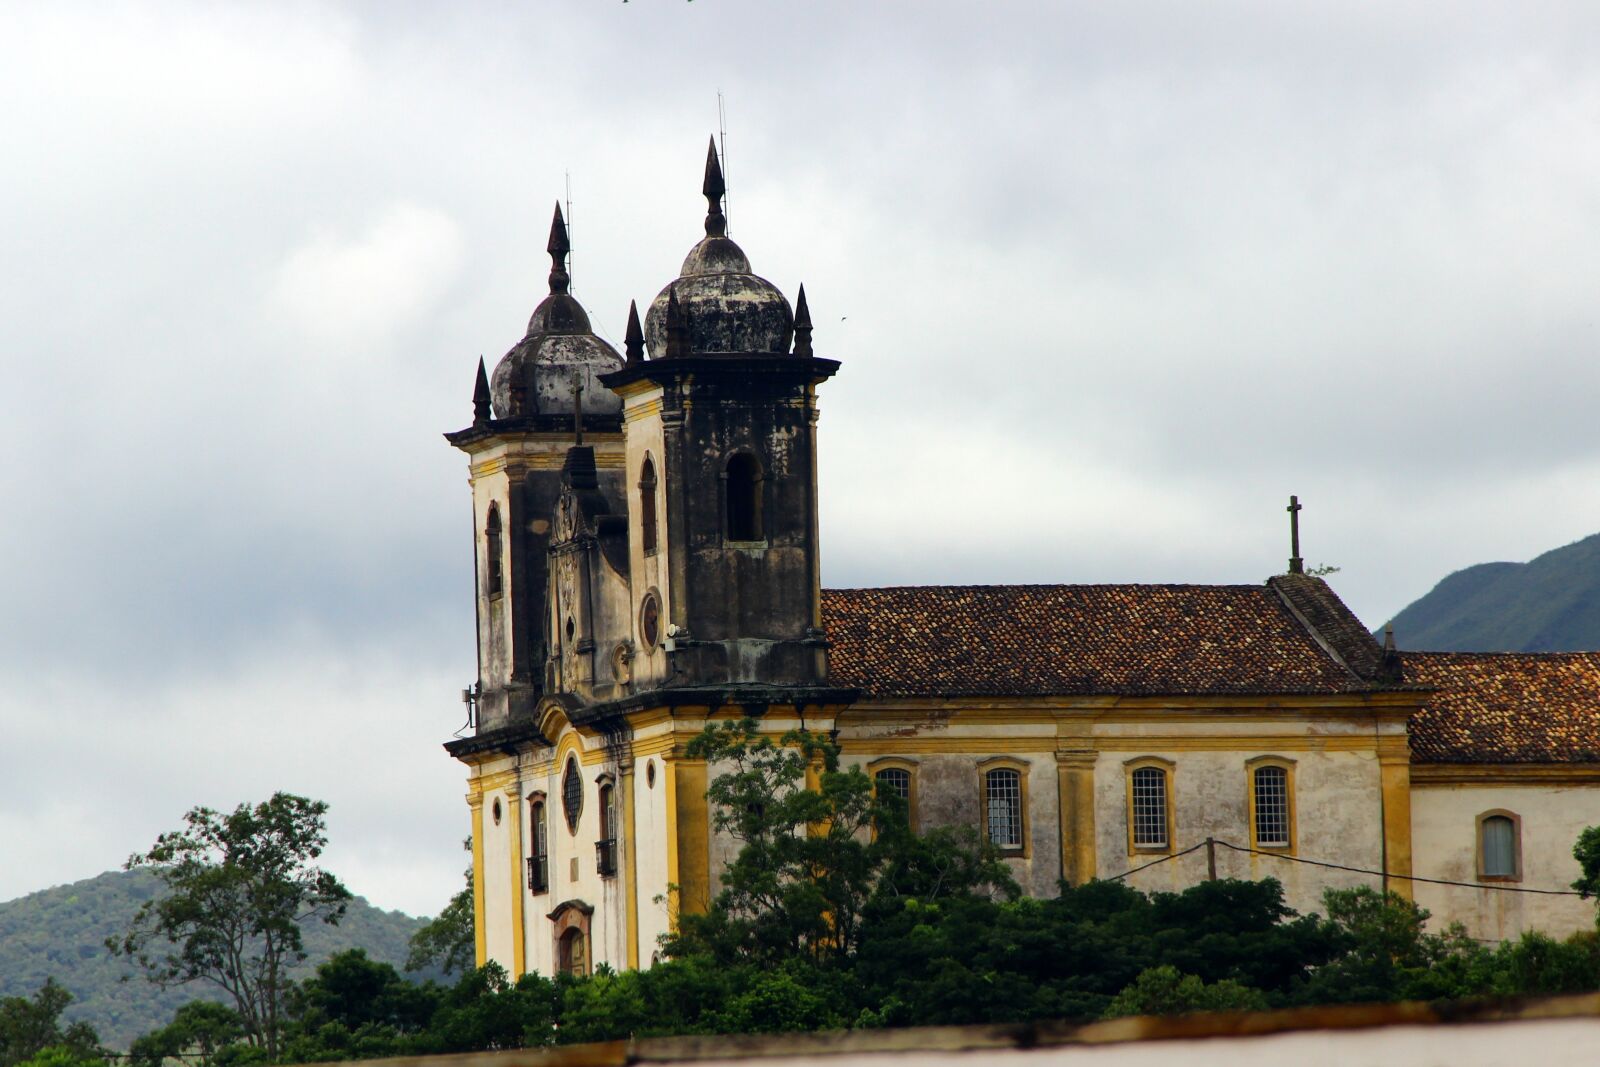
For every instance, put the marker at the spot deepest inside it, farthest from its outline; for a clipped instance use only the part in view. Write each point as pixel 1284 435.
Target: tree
pixel 447 941
pixel 199 1032
pixel 30 1028
pixel 1167 991
pixel 239 888
pixel 1587 853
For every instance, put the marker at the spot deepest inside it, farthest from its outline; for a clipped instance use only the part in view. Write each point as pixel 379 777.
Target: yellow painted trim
pixel 1504 774
pixel 480 942
pixel 670 796
pixel 1039 744
pixel 1395 776
pixel 630 866
pixel 1168 768
pixel 1292 848
pixel 519 933
pixel 693 831
pixel 1075 780
pixel 1022 767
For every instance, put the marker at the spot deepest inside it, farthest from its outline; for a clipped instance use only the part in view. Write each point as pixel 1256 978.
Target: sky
pixel 1109 282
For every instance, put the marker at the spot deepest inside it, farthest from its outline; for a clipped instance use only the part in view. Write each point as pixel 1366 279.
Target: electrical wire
pixel 1406 877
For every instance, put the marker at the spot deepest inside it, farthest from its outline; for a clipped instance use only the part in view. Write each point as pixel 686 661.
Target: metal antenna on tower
pixel 722 127
pixel 569 229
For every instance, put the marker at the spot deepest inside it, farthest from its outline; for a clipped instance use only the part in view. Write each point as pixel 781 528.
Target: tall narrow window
pixel 539 857
pixel 605 849
pixel 647 505
pixel 1002 791
pixel 1499 846
pixel 491 535
pixel 744 498
pixel 1148 786
pixel 1271 807
pixel 572 794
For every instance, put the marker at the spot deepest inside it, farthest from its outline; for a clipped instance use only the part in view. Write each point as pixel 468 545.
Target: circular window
pixel 650 621
pixel 571 794
pixel 495 811
pixel 650 773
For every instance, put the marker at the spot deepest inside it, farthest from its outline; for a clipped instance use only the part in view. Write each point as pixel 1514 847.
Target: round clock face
pixel 650 621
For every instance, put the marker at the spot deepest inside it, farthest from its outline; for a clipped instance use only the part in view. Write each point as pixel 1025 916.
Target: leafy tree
pixel 1587 853
pixel 1168 991
pixel 201 1031
pixel 448 941
pixel 1386 954
pixel 239 887
pixel 30 1029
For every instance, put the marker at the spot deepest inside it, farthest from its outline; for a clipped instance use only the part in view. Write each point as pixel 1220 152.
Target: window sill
pixel 1499 877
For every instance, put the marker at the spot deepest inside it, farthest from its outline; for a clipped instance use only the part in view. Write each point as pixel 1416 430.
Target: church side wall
pixel 1336 818
pixel 1444 820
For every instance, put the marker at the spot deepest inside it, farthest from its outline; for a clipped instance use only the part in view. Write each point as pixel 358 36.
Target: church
pixel 648 558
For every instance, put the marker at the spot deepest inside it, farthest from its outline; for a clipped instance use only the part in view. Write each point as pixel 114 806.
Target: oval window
pixel 650 621
pixel 571 794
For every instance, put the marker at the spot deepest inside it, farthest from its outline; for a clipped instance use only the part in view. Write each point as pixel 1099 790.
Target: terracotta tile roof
pixel 1506 707
pixel 1033 640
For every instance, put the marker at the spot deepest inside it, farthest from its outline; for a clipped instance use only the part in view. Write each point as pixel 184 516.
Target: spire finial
pixel 713 188
pixel 633 343
pixel 1388 637
pixel 674 325
pixel 481 412
pixel 1296 564
pixel 558 248
pixel 802 326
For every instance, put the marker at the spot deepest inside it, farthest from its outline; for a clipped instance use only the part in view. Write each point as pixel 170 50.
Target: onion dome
pixel 540 373
pixel 724 307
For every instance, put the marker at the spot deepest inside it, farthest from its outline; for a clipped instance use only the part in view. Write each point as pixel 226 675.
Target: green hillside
pixel 60 933
pixel 1550 604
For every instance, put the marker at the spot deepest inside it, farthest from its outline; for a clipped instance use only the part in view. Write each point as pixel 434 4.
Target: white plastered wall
pixel 1444 845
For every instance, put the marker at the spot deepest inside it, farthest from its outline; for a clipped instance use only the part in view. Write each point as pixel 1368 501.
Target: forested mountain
pixel 1549 604
pixel 60 933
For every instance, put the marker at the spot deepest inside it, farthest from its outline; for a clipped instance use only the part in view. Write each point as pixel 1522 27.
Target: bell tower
pixel 721 427
pixel 543 399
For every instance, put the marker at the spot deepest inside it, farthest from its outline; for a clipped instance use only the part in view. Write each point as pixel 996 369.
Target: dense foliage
pixel 32 1034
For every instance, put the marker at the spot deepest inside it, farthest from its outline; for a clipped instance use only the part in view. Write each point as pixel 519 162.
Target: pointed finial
pixel 713 188
pixel 802 326
pixel 558 248
pixel 633 343
pixel 674 325
pixel 480 396
pixel 1388 637
pixel 1296 564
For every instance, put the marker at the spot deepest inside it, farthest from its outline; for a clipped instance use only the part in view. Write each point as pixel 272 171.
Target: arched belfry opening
pixel 494 580
pixel 743 479
pixel 647 505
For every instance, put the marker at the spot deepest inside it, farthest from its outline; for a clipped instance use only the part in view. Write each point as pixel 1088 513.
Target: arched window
pixel 539 855
pixel 743 489
pixel 647 505
pixel 1149 806
pixel 896 778
pixel 1002 795
pixel 571 794
pixel 1499 846
pixel 1271 803
pixel 493 581
pixel 605 849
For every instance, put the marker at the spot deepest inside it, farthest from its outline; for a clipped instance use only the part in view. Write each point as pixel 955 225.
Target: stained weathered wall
pixel 1444 828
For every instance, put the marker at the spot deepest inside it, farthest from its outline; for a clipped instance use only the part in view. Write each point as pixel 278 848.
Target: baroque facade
pixel 647 559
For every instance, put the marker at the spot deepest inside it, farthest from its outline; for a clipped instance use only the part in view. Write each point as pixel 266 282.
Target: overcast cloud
pixel 1109 282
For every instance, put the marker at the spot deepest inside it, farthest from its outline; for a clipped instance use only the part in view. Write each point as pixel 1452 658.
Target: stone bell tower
pixel 721 426
pixel 524 420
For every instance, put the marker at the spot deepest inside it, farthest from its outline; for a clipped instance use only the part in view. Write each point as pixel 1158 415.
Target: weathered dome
pixel 724 307
pixel 541 372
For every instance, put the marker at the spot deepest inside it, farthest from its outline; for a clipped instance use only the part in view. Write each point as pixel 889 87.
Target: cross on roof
pixel 1296 564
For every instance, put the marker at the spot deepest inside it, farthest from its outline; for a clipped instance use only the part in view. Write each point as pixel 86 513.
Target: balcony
pixel 539 873
pixel 605 856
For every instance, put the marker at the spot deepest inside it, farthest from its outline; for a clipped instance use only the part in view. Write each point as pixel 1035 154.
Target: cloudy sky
pixel 1109 283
